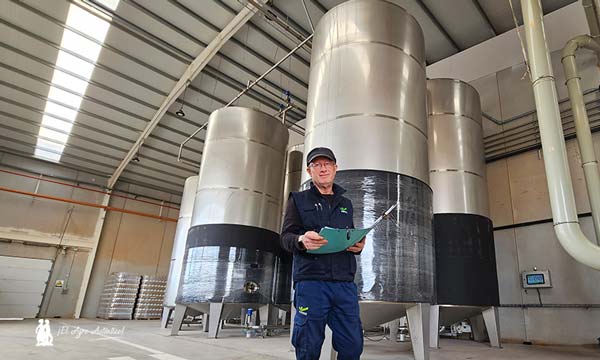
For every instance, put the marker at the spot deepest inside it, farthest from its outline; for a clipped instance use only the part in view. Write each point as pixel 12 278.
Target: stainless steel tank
pixel 234 235
pixel 294 167
pixel 367 102
pixel 181 232
pixel 465 254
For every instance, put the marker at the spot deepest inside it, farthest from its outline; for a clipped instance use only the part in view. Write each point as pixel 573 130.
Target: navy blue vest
pixel 315 213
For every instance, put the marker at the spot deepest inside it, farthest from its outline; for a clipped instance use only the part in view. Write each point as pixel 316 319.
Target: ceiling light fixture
pixel 136 158
pixel 180 112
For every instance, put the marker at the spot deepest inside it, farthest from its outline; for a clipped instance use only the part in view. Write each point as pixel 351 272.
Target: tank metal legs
pixel 178 317
pixel 434 327
pixel 166 315
pixel 490 318
pixel 214 319
pixel 418 322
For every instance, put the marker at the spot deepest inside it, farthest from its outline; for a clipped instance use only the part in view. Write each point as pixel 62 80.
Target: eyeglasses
pixel 319 166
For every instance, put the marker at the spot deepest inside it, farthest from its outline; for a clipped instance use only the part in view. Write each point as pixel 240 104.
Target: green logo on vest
pixel 344 210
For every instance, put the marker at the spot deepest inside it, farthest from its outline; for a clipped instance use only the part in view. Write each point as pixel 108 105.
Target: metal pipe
pixel 45 179
pixel 592 14
pixel 312 27
pixel 84 203
pixel 179 159
pixel 582 125
pixel 531 128
pixel 532 139
pixel 269 14
pixel 251 85
pixel 560 187
pixel 530 112
pixel 500 135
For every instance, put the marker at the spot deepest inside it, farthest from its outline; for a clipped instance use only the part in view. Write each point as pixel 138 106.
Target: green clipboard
pixel 341 239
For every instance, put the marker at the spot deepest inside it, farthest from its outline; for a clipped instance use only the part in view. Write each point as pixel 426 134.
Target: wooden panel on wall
pixel 528 187
pixel 499 193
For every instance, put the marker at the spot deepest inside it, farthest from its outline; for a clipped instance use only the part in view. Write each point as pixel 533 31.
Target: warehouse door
pixel 22 285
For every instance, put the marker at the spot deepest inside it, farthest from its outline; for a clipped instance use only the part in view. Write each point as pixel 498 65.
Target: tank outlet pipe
pixel 560 187
pixel 582 124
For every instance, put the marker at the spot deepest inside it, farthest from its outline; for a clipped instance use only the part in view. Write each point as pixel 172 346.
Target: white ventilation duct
pixel 562 199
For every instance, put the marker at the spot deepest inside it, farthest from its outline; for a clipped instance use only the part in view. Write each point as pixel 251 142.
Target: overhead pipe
pixel 276 65
pixel 529 112
pixel 41 178
pixel 89 204
pixel 582 124
pixel 592 14
pixel 560 187
pixel 250 85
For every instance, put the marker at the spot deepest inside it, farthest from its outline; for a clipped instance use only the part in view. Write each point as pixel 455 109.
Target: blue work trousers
pixel 320 303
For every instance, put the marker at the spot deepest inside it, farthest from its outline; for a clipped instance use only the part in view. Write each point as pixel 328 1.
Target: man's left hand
pixel 356 248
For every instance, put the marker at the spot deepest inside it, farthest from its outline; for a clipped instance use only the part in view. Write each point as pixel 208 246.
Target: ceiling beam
pixel 485 17
pixel 152 40
pixel 437 24
pixel 191 72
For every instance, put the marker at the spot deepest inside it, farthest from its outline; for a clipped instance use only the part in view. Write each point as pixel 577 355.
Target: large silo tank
pixel 183 226
pixel 294 167
pixel 465 255
pixel 367 102
pixel 234 235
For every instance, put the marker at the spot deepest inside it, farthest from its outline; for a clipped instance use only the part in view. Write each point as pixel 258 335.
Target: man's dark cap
pixel 320 151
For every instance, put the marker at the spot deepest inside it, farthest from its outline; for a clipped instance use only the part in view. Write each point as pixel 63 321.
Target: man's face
pixel 322 171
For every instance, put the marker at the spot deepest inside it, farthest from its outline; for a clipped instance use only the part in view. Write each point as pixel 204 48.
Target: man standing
pixel 324 289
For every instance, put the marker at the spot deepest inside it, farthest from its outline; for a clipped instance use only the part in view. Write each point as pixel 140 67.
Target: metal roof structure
pixel 85 103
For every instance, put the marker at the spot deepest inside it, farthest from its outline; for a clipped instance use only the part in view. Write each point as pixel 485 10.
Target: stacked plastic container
pixel 149 304
pixel 119 296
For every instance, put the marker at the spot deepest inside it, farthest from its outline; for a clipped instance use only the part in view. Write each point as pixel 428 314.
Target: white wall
pixel 504 51
pixel 35 227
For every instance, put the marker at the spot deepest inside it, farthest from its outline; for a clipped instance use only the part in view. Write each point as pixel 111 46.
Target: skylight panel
pixel 64 97
pixel 87 23
pixel 80 45
pixel 51 143
pixel 49 121
pixel 69 82
pixel 60 111
pixel 53 135
pixel 47 155
pixel 74 64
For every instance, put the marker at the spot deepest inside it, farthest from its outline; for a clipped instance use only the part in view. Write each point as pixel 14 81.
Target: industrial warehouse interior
pixel 163 162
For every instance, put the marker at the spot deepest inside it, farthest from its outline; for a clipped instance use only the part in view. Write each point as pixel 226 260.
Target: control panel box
pixel 536 279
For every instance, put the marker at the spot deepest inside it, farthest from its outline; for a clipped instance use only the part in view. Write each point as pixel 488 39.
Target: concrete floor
pixel 137 340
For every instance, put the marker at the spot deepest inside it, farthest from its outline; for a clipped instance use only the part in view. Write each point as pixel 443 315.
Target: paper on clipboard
pixel 341 239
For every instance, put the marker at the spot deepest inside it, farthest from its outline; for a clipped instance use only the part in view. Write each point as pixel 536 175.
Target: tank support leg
pixel 418 322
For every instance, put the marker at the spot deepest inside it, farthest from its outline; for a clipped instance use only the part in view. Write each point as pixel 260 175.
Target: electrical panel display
pixel 536 279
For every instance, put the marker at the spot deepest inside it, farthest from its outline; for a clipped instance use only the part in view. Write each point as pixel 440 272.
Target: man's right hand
pixel 312 240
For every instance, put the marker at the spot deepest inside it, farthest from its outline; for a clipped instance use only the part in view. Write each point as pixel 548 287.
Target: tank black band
pixel 233 235
pixel 465 260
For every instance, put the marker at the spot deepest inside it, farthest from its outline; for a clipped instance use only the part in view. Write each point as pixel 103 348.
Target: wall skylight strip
pixel 50 143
